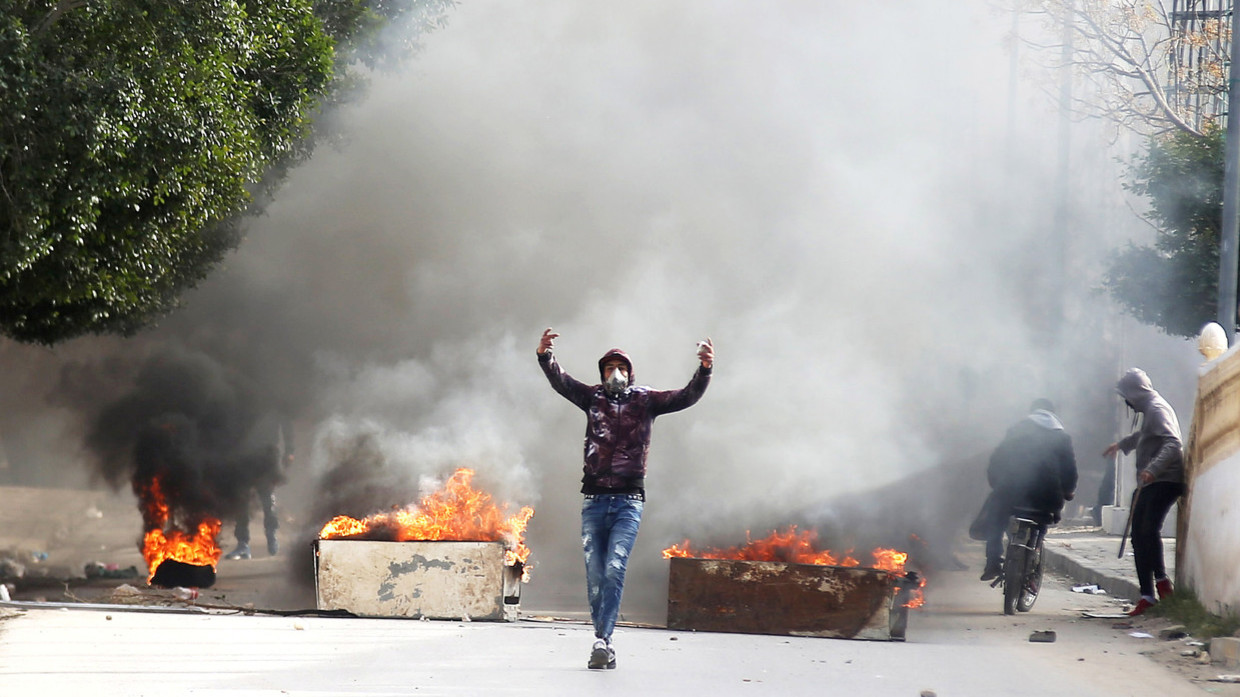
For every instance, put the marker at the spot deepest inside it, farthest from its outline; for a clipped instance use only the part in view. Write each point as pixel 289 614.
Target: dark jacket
pixel 618 427
pixel 1159 448
pixel 1035 466
pixel 267 448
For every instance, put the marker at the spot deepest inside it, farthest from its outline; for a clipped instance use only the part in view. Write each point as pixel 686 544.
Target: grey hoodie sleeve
pixel 1169 452
pixel 1128 442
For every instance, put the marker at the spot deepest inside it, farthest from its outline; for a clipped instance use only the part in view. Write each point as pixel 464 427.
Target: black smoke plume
pixel 184 435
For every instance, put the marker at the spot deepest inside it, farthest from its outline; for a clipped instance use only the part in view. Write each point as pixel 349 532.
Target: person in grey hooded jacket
pixel 1160 480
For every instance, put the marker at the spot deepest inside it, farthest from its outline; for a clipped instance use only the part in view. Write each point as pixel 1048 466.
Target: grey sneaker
pixel 273 545
pixel 602 656
pixel 241 552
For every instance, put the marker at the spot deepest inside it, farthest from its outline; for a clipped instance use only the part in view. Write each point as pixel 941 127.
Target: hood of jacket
pixel 615 353
pixel 1135 387
pixel 1046 419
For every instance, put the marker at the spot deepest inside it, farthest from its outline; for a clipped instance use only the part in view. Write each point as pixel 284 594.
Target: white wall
pixel 1211 563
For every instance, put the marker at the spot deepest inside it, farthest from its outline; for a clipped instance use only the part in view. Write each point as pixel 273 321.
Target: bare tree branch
pixel 1123 48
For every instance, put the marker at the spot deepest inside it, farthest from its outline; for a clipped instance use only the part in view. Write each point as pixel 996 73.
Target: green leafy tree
pixel 135 133
pixel 1173 284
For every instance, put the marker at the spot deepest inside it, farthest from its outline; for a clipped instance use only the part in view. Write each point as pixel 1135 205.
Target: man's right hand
pixel 547 342
pixel 1111 450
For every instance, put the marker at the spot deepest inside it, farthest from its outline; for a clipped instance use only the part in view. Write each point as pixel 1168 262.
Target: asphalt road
pixel 960 644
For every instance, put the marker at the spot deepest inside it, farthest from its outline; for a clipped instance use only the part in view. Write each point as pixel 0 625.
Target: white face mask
pixel 617 382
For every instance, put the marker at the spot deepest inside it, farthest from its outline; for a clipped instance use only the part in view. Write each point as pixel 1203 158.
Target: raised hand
pixel 706 353
pixel 547 342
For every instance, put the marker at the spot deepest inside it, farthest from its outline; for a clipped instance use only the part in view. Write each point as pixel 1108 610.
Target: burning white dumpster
pixel 418 579
pixel 454 555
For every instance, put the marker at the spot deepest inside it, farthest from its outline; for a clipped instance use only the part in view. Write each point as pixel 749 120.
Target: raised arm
pixel 667 401
pixel 569 387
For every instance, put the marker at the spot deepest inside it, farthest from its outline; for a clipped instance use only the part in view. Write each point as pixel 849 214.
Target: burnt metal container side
pixel 431 579
pixel 905 587
pixel 786 599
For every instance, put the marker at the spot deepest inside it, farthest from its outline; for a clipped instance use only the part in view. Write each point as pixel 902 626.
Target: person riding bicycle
pixel 1034 470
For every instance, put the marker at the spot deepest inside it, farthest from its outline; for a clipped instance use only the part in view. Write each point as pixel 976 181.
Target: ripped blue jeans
pixel 609 525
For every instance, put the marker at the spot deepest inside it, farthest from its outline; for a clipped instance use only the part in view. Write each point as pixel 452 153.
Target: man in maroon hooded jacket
pixel 619 417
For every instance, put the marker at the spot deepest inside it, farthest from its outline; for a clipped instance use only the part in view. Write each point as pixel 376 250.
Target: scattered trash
pixel 125 594
pixel 1046 636
pixel 1204 659
pixel 928 693
pixel 38 556
pixel 100 570
pixel 4 593
pixel 298 626
pixel 1172 633
pixel 1194 643
pixel 185 593
pixel 1141 635
pixel 1091 589
pixel 1104 615
pixel 93 512
pixel 1226 678
pixel 11 568
pixel 1190 653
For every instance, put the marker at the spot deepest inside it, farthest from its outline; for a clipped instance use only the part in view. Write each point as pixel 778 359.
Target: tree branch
pixel 52 17
pixel 1119 41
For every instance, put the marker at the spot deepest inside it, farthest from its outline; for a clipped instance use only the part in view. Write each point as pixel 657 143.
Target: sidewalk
pixel 1088 555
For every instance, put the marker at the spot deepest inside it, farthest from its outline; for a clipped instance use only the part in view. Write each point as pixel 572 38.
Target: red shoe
pixel 1140 608
pixel 1164 588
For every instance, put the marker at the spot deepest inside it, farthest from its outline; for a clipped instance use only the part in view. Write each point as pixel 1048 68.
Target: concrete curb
pixel 1060 562
pixel 1225 650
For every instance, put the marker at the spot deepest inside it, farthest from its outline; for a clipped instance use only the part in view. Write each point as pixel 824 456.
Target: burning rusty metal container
pixel 763 597
pixel 420 579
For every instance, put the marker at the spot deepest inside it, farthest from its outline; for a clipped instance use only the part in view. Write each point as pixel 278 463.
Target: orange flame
pixel 162 541
pixel 792 546
pixel 456 512
pixel 797 547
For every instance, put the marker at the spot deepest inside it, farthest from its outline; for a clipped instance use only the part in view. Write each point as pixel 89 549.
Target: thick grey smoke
pixel 846 197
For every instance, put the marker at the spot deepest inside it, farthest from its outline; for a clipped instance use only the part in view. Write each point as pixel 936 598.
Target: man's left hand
pixel 706 353
pixel 1145 477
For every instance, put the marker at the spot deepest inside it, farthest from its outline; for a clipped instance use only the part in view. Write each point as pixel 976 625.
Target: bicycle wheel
pixel 1013 577
pixel 1032 583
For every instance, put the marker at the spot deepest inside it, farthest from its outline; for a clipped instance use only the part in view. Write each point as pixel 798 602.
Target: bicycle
pixel 1022 565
